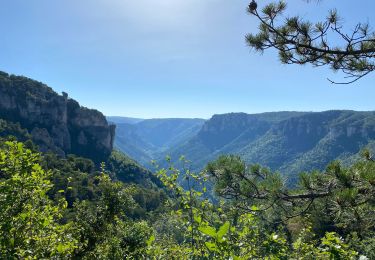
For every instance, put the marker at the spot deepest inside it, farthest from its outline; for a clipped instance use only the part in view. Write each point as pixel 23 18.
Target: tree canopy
pixel 65 213
pixel 320 43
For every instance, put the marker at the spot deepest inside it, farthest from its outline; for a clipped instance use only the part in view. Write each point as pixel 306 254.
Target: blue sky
pixel 169 58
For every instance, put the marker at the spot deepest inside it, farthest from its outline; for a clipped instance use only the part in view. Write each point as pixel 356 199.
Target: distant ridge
pixel 123 120
pixel 289 142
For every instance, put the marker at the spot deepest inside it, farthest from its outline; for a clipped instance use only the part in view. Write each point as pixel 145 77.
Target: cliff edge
pixel 56 122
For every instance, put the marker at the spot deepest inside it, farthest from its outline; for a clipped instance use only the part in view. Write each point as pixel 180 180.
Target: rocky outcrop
pixel 56 122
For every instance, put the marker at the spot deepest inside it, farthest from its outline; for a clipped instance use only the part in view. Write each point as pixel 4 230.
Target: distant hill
pixel 289 142
pixel 123 120
pixel 227 134
pixel 149 139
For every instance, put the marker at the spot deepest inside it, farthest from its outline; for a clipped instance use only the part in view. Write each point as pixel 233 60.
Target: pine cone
pixel 253 6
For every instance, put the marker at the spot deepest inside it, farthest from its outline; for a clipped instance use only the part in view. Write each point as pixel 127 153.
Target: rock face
pixel 56 122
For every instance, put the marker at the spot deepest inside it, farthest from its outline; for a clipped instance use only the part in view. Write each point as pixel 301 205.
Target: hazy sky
pixel 169 58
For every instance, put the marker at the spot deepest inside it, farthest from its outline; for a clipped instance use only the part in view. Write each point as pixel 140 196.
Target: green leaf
pixel 211 246
pixel 223 230
pixel 60 248
pixel 207 230
pixel 198 219
pixel 150 240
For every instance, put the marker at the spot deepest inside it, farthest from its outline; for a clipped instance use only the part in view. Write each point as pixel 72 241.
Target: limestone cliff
pixel 55 122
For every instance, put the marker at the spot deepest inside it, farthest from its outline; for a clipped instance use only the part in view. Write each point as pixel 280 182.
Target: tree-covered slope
pixel 227 134
pixel 164 133
pixel 129 142
pixel 312 141
pixel 289 142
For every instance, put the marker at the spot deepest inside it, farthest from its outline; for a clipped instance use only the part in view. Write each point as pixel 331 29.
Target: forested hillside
pixel 289 142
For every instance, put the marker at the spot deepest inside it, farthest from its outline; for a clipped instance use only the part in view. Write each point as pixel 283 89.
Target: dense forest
pixel 65 208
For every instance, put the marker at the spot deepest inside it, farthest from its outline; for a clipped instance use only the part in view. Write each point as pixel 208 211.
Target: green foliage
pixel 331 246
pixel 33 226
pixel 13 129
pixel 338 200
pixel 128 171
pixel 29 224
pixel 105 232
pixel 37 222
pixel 223 231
